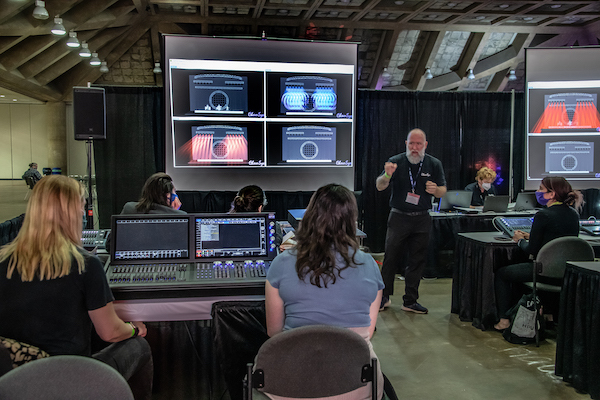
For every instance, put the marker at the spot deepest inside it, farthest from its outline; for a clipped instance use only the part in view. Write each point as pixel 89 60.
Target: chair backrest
pixel 29 181
pixel 65 378
pixel 312 361
pixel 552 258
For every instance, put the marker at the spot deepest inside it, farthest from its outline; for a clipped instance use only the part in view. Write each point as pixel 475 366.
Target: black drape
pixel 133 149
pixel 486 119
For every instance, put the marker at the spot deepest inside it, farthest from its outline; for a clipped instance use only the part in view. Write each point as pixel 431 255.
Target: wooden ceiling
pixel 398 39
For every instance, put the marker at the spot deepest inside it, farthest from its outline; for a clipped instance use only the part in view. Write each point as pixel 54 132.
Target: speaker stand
pixel 89 208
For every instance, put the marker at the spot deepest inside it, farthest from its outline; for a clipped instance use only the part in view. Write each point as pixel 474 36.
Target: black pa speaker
pixel 89 113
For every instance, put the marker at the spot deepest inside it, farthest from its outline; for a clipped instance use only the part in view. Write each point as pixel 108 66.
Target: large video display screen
pixel 278 114
pixel 563 123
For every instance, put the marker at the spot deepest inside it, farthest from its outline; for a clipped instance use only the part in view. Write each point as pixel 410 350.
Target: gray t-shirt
pixel 346 303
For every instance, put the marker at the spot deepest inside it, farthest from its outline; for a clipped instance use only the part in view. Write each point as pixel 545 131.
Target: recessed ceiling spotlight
pixel 556 6
pixel 527 18
pixel 14 99
pixel 1 95
pixel 398 2
pixel 451 4
pixel 479 17
pixel 503 6
pixel 432 16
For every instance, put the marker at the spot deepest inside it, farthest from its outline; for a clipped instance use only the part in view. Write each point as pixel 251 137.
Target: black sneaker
pixel 385 303
pixel 416 308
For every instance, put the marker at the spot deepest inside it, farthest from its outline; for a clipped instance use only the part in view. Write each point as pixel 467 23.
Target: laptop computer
pixel 525 201
pixel 455 198
pixel 496 204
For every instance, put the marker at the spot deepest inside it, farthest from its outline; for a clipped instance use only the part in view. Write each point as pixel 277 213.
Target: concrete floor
pixel 433 356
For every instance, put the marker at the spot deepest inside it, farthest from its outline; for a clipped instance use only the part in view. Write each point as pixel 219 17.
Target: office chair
pixel 551 262
pixel 311 362
pixel 30 183
pixel 65 378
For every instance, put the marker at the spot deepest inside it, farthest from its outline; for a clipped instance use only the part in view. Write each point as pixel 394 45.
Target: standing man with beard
pixel 414 177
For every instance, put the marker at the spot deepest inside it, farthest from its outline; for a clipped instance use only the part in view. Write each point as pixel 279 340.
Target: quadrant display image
pixel 569 157
pixel 308 143
pixel 308 94
pixel 218 94
pixel 569 111
pixel 218 144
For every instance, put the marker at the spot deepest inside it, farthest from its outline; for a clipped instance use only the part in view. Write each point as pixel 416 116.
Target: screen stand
pixel 89 208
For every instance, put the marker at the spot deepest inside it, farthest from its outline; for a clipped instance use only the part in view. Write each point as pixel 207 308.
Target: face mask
pixel 540 198
pixel 486 186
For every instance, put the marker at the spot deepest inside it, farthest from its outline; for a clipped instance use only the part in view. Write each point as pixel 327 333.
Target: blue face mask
pixel 540 198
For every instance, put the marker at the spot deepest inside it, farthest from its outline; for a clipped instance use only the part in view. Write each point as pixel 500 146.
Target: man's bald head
pixel 416 143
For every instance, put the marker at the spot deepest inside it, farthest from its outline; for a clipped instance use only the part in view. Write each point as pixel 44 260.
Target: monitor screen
pixel 279 114
pixel 150 238
pixel 234 235
pixel 563 123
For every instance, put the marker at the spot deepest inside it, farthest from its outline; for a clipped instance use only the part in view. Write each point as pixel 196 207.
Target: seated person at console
pixel 251 198
pixel 482 187
pixel 52 291
pixel 158 197
pixel 559 219
pixel 325 279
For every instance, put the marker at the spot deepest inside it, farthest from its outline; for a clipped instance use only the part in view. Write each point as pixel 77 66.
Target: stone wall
pixel 134 67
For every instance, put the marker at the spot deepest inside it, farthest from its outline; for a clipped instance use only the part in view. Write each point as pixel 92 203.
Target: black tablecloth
pixel 578 341
pixel 473 297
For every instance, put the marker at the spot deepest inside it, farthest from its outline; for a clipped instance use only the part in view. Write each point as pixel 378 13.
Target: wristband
pixel 386 175
pixel 135 331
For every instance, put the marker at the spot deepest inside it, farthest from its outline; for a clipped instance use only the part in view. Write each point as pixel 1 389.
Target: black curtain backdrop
pixel 133 150
pixel 462 128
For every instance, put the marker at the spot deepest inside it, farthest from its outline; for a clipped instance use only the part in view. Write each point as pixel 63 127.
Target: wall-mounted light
pixel 40 12
pixel 103 67
pixel 470 75
pixel 385 74
pixel 95 61
pixel 512 76
pixel 157 69
pixel 72 41
pixel 58 29
pixel 84 51
pixel 428 74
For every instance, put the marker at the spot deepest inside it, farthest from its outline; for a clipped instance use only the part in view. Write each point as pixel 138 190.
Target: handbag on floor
pixel 522 321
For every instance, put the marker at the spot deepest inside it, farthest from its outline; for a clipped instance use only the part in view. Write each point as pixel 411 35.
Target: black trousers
pixel 407 239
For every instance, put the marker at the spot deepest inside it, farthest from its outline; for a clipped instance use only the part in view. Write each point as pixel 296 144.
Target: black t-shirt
pixel 479 196
pixel 431 170
pixel 53 314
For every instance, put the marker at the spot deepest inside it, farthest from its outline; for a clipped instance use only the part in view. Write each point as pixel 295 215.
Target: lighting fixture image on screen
pixel 219 144
pixel 218 94
pixel 564 111
pixel 570 157
pixel 308 94
pixel 308 144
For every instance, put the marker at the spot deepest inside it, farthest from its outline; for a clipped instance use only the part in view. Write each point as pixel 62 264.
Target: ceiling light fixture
pixel 527 18
pixel 470 75
pixel 512 76
pixel 103 67
pixel 157 69
pixel 503 6
pixel 85 51
pixel 40 12
pixel 386 74
pixel 95 61
pixel 72 41
pixel 428 74
pixel 58 29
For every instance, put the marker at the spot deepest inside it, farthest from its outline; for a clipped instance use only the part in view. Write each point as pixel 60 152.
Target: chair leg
pixel 248 385
pixel 374 382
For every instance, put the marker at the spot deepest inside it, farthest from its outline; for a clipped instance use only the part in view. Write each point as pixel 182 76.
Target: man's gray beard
pixel 414 160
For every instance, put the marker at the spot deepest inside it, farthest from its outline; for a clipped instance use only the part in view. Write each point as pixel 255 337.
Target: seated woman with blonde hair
pixel 52 291
pixel 482 187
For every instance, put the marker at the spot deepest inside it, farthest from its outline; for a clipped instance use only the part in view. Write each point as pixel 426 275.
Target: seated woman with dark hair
pixel 251 198
pixel 158 197
pixel 52 291
pixel 559 219
pixel 326 279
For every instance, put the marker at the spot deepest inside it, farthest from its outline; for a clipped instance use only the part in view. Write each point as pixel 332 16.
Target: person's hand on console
pixel 142 328
pixel 518 235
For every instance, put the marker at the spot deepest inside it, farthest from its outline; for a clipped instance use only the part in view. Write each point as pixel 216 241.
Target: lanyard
pixel 413 182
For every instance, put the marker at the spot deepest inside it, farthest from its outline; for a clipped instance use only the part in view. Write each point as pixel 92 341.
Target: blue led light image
pixel 308 94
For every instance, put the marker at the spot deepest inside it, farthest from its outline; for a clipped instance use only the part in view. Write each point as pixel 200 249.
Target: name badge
pixel 412 198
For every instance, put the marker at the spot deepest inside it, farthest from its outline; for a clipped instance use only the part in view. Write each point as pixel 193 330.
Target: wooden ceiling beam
pixel 426 56
pixel 388 43
pixel 25 87
pixel 26 50
pixel 471 53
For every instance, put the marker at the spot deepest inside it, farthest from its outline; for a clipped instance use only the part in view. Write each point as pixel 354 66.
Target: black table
pixel 444 235
pixel 477 256
pixel 578 340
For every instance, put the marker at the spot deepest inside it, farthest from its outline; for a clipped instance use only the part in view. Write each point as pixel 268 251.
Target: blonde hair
pixel 486 173
pixel 51 232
